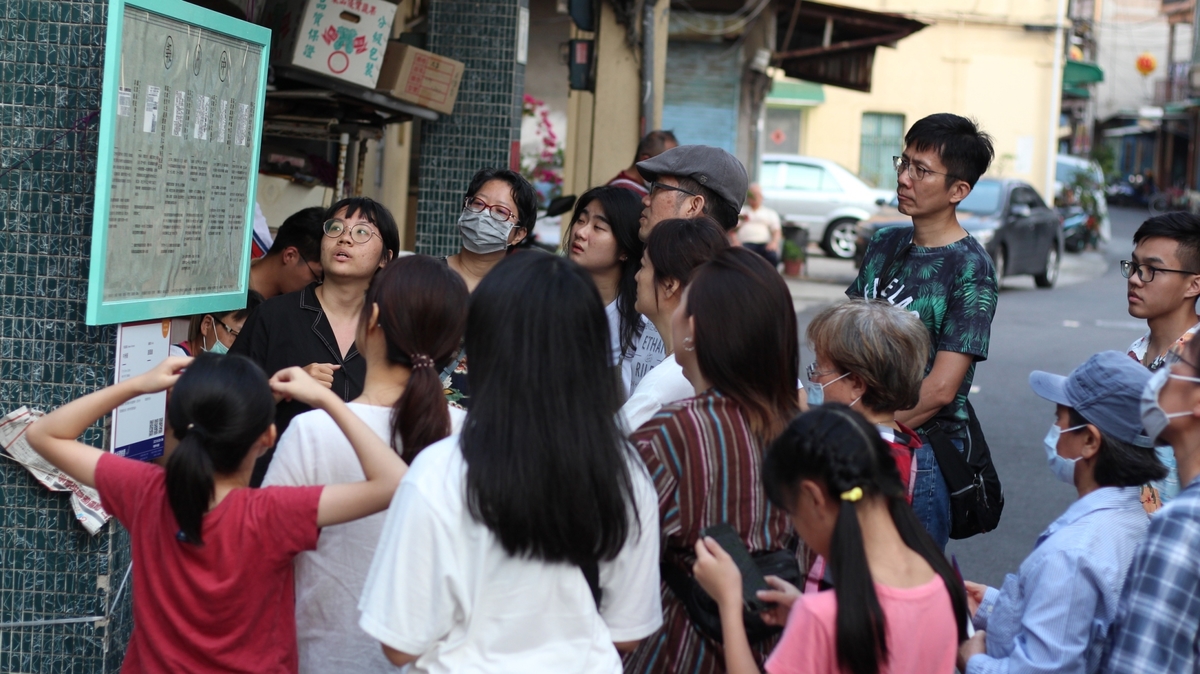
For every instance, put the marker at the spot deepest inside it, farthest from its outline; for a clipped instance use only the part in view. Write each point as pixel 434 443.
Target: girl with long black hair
pixel 735 337
pixel 603 239
pixel 213 588
pixel 897 605
pixel 410 328
pixel 527 543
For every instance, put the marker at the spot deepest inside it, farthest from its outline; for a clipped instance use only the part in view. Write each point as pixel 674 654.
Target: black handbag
pixel 976 496
pixel 703 610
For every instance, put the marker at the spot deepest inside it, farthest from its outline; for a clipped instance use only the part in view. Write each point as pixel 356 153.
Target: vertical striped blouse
pixel 707 468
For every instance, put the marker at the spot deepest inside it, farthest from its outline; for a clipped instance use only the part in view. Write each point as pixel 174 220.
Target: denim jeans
pixel 931 499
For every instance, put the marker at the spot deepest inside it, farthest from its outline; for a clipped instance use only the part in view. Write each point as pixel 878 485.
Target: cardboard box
pixel 346 39
pixel 421 77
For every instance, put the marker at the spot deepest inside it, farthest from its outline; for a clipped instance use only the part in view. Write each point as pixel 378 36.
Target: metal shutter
pixel 702 91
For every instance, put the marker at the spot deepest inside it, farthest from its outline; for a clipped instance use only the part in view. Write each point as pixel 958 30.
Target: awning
pixel 830 44
pixel 1081 72
pixel 795 94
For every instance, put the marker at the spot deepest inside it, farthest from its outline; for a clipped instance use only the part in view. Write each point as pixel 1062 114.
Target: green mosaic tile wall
pixel 487 114
pixel 64 595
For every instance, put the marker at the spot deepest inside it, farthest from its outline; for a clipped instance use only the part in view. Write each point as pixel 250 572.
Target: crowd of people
pixel 510 461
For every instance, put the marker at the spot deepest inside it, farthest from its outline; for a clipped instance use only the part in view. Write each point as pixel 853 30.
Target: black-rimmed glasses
pixel 1145 272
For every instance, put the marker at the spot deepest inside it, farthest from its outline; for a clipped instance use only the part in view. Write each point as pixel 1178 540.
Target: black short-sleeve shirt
pixel 292 330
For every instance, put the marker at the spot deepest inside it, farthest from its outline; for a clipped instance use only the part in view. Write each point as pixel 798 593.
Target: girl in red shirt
pixel 212 580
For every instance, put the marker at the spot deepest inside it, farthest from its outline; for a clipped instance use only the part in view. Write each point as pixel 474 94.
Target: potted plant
pixel 793 258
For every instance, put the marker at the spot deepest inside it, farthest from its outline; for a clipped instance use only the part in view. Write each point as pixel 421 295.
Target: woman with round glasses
pixel 498 212
pixel 314 327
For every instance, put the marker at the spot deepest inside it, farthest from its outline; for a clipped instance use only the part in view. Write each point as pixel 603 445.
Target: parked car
pixel 1016 228
pixel 820 196
pixel 1066 169
pixel 889 215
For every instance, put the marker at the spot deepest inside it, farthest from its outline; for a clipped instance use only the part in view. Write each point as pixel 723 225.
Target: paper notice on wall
pixel 138 424
pixel 1024 162
pixel 85 501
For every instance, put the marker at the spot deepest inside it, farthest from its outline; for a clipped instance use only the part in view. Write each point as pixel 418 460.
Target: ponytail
pixel 422 312
pixel 860 619
pixel 420 416
pixel 190 484
pixel 219 408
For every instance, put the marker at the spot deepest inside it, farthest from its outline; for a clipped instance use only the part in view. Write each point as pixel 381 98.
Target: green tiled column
pixel 487 115
pixel 59 606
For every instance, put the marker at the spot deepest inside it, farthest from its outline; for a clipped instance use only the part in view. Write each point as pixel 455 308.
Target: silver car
pixel 820 196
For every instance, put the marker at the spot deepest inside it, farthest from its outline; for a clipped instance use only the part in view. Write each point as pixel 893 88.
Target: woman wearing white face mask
pixel 215 332
pixel 1055 614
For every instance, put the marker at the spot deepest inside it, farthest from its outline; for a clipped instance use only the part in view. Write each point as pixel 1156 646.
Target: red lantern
pixel 1146 63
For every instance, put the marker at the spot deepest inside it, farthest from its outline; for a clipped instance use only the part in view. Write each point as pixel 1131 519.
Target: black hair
pixel 677 247
pixel 1181 227
pixel 195 338
pixel 375 213
pixel 758 363
pixel 219 407
pixel 622 208
pixel 302 230
pixel 423 312
pixel 836 447
pixel 715 207
pixel 523 194
pixel 1120 464
pixel 554 486
pixel 654 144
pixel 963 147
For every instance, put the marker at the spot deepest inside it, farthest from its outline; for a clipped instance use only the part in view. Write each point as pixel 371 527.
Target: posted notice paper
pixel 138 425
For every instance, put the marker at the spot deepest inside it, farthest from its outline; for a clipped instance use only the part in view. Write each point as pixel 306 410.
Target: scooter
pixel 1078 230
pixel 547 231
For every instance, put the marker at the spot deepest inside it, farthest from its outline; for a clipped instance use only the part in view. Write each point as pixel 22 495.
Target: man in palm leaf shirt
pixel 943 275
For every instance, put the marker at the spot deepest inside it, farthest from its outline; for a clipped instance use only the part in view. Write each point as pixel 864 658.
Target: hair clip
pixel 853 495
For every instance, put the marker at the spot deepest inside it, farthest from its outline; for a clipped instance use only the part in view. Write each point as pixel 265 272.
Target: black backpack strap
pixel 955 470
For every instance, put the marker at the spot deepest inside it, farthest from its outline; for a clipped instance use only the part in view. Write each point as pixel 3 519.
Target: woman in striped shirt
pixel 735 337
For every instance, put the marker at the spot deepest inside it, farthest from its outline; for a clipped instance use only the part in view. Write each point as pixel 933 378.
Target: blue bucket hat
pixel 1106 391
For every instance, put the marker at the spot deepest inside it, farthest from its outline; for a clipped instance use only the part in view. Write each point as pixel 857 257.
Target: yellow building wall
pixel 983 65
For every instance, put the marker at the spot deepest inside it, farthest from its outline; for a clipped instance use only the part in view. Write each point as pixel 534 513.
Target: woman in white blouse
pixel 412 322
pixel 530 542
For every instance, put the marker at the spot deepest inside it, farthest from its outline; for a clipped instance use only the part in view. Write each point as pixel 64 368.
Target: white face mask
pixel 1063 468
pixel 1154 418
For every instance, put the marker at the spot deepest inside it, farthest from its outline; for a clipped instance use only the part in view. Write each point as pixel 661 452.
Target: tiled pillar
pixel 59 610
pixel 487 115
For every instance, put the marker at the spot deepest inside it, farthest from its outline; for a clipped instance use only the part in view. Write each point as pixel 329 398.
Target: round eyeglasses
pixel 359 233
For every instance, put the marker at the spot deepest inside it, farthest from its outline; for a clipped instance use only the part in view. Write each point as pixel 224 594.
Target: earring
pixel 687 344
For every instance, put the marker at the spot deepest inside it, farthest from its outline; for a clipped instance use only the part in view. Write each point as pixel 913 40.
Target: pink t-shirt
pixel 225 606
pixel 921 634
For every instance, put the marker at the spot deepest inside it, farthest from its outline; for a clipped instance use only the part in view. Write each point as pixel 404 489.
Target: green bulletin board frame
pixel 100 312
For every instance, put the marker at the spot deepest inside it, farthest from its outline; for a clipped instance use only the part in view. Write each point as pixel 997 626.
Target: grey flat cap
pixel 712 167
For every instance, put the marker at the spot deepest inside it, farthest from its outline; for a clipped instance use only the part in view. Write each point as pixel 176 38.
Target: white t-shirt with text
pixel 661 386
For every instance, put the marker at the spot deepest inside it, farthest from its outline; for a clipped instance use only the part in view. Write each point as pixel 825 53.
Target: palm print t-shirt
pixel 952 289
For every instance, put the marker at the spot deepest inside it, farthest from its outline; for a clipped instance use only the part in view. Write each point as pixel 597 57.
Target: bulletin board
pixel 177 167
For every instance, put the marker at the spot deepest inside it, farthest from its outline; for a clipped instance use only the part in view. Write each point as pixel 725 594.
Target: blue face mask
pixel 1063 468
pixel 816 392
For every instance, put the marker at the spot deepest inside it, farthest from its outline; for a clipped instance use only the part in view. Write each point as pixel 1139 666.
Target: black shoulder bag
pixel 976 496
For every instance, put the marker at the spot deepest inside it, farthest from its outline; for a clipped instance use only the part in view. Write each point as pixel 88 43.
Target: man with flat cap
pixel 690 181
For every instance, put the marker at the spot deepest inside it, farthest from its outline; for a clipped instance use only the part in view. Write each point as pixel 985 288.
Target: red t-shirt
pixel 227 605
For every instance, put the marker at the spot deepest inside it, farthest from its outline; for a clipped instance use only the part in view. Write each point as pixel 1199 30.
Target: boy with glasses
pixel 940 273
pixel 1164 282
pixel 294 260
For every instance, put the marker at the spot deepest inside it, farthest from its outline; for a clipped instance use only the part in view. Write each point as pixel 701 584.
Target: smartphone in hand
pixel 752 576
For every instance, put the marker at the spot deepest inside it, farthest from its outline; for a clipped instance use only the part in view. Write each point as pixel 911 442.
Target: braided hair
pixel 835 446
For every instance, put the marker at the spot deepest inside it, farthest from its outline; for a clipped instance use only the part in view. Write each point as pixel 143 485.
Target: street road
pixel 1052 330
